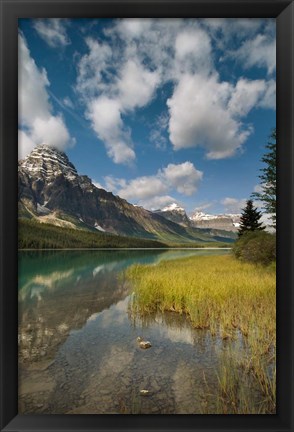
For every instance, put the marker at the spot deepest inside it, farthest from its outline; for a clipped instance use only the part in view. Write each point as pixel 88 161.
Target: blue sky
pixel 154 110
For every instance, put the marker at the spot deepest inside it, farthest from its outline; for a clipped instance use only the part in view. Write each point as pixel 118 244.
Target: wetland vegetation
pixel 232 299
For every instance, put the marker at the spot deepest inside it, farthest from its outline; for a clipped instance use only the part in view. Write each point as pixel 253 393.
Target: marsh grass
pixel 233 300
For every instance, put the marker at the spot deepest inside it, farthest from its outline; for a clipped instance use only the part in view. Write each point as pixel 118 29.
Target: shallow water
pixel 78 351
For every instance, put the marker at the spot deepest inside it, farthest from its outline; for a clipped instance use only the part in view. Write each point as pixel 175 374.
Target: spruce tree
pixel 249 220
pixel 268 194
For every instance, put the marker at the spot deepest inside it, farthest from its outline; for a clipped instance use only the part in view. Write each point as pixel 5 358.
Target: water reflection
pixel 77 345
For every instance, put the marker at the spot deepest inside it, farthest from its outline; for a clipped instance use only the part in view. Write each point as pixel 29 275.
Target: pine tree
pixel 268 194
pixel 249 220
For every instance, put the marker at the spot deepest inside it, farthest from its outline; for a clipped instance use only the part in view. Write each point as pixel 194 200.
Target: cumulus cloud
pixel 53 31
pixel 233 205
pixel 105 116
pixel 143 188
pixel 206 112
pixel 139 56
pixel 136 85
pixel 91 68
pixel 25 144
pixel 183 177
pixel 152 191
pixel 245 96
pixel 37 122
pixel 199 117
pixel 133 87
pixel 193 51
pixel 259 51
pixel 33 100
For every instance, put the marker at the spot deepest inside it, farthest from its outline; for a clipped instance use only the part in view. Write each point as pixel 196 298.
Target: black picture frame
pixel 11 10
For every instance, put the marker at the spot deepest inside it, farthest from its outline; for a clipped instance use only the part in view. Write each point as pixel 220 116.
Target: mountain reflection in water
pixel 77 344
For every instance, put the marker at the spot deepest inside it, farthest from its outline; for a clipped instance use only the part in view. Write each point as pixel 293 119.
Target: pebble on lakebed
pixel 143 344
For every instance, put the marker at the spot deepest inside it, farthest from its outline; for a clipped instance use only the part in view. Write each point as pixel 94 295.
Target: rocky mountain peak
pixel 175 213
pixel 46 162
pixel 174 207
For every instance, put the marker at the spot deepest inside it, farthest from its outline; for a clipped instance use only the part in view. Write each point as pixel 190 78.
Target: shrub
pixel 256 247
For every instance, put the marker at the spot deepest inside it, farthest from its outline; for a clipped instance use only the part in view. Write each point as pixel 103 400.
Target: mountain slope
pixel 51 191
pixel 175 213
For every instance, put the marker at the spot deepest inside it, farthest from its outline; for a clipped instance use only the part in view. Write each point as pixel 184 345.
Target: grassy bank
pixel 233 300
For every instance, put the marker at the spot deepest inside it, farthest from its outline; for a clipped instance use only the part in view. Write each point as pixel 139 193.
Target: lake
pixel 78 349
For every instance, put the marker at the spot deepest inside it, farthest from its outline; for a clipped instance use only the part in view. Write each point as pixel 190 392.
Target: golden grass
pixel 229 298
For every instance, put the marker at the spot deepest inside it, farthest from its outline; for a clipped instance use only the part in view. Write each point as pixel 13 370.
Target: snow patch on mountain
pixel 200 216
pixel 173 207
pixel 99 228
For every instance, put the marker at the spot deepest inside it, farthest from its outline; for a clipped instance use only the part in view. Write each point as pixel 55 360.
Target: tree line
pixel 35 235
pixel 254 243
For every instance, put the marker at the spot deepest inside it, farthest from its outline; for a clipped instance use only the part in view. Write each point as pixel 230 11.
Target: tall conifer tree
pixel 250 219
pixel 268 194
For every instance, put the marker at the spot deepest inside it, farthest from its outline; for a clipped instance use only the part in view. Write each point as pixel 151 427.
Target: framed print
pixel 146 215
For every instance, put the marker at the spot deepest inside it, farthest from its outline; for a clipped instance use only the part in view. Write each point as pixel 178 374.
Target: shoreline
pixel 115 249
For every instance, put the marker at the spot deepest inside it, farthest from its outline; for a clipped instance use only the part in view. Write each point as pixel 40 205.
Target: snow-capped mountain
pixel 46 163
pixel 174 207
pixel 50 190
pixel 228 222
pixel 175 213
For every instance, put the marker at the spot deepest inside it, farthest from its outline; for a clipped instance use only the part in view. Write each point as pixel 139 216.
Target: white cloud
pixel 133 87
pixel 151 191
pixel 193 51
pixel 260 51
pixel 113 184
pixel 25 144
pixel 136 85
pixel 33 98
pixel 245 96
pixel 205 112
pixel 52 31
pixel 233 205
pixel 91 68
pixel 133 27
pixel 269 98
pixel 183 177
pixel 143 188
pixel 199 116
pixel 52 131
pixel 158 202
pixel 139 56
pixel 35 112
pixel 105 116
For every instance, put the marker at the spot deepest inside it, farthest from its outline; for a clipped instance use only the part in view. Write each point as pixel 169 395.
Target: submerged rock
pixel 143 344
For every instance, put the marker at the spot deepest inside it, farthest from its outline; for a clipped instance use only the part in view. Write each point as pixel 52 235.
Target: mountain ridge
pixel 175 213
pixel 51 191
